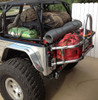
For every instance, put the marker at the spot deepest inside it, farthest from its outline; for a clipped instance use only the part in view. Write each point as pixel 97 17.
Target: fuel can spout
pixel 53 35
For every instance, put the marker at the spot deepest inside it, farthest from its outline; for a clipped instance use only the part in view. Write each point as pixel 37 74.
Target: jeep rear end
pixel 53 50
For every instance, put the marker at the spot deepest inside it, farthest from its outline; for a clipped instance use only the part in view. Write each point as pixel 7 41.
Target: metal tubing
pixel 88 16
pixel 88 50
pixel 71 46
pixel 68 47
pixel 72 61
pixel 40 25
pixel 69 61
pixel 62 52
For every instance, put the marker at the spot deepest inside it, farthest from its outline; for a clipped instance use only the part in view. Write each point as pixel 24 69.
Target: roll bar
pixel 88 16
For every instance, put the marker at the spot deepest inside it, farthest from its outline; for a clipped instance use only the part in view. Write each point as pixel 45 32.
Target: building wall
pixel 79 11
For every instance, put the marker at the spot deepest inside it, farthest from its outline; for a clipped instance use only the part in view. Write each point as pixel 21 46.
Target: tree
pixel 80 1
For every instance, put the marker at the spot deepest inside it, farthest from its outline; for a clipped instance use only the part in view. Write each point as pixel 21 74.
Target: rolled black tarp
pixel 53 35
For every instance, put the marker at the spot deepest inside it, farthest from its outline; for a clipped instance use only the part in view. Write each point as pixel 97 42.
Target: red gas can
pixel 69 54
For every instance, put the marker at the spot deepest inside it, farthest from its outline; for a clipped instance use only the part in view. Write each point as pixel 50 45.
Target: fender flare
pixel 31 52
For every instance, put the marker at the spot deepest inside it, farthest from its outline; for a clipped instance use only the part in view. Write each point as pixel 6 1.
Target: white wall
pixel 79 11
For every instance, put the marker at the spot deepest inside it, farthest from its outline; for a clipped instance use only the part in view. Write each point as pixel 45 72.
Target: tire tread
pixel 32 77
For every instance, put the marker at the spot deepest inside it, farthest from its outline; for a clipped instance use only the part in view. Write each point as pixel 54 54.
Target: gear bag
pixel 70 54
pixel 55 19
pixel 28 15
pixel 23 32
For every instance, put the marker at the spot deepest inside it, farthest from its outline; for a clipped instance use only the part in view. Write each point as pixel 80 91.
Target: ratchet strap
pixel 88 34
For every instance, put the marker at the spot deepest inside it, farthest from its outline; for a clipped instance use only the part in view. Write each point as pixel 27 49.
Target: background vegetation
pixel 70 1
pixel 60 7
pixel 80 1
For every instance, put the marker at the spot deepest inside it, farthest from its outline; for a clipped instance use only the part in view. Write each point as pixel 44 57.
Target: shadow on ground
pixel 53 86
pixel 81 83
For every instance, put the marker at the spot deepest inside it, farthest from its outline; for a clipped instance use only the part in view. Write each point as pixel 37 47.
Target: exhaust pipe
pixel 53 35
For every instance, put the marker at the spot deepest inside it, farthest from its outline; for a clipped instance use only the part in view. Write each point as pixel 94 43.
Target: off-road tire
pixel 22 71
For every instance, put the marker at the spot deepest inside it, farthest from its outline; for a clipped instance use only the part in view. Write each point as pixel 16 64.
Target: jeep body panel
pixel 36 53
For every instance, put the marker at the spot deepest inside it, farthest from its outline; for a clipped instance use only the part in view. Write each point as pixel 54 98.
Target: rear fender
pixel 37 55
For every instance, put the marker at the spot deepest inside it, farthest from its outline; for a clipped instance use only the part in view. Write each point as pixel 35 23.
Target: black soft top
pixel 28 2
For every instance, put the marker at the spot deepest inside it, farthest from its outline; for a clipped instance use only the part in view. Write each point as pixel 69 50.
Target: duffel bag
pixel 28 15
pixel 55 19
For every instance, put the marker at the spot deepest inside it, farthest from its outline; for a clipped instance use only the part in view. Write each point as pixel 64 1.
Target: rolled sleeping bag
pixel 53 35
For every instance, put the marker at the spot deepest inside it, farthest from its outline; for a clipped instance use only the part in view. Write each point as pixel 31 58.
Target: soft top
pixel 28 2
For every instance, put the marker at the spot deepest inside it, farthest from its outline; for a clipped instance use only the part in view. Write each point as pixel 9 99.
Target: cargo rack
pixel 81 43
